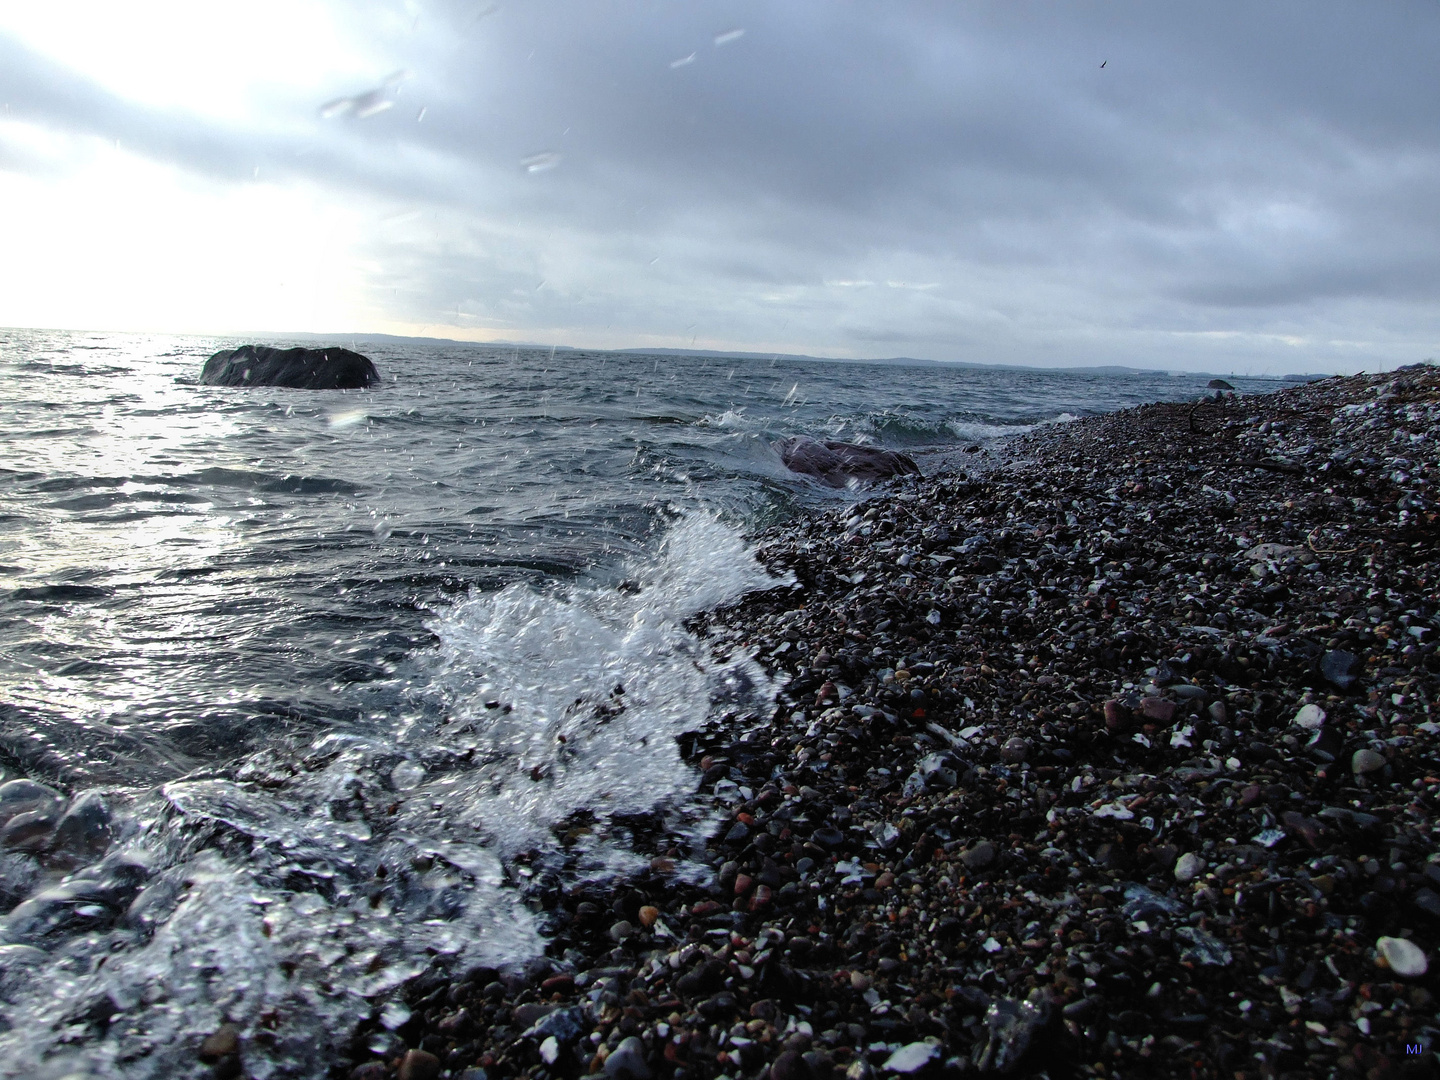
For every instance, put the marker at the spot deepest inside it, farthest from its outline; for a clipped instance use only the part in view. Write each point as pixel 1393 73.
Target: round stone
pixel 1309 717
pixel 1405 958
pixel 1366 761
pixel 979 856
pixel 1188 867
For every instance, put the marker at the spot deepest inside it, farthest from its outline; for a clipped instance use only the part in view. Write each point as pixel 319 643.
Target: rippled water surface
pixel 304 671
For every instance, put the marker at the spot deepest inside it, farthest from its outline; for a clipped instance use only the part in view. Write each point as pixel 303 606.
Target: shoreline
pixel 1111 754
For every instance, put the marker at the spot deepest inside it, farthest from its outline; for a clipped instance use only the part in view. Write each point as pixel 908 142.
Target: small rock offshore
pixel 1112 754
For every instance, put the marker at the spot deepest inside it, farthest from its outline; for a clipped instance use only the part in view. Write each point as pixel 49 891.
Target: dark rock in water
pixel 26 796
pixel 303 369
pixel 29 831
pixel 85 827
pixel 839 463
pixel 1219 384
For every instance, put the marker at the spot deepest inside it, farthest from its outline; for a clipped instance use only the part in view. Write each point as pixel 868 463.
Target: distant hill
pixel 713 354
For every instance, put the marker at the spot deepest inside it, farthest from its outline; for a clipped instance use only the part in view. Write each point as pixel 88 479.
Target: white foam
pixel 732 419
pixel 263 905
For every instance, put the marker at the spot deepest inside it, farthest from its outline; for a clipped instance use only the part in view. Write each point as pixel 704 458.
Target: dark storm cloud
pixel 1237 173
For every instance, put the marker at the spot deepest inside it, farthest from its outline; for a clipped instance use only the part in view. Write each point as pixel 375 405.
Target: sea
pixel 314 676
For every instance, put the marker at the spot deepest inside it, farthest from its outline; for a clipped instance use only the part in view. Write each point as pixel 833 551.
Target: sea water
pixel 322 673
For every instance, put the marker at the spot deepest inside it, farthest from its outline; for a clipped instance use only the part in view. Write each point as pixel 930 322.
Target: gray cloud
pixel 1237 178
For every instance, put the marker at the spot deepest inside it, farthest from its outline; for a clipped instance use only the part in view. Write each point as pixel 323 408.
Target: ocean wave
pixel 288 893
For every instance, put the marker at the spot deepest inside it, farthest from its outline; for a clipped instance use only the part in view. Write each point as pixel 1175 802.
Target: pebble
pixel 1366 761
pixel 911 1057
pixel 222 1042
pixel 1158 709
pixel 979 856
pixel 1404 958
pixel 789 1065
pixel 419 1065
pixel 1310 717
pixel 627 1061
pixel 1188 867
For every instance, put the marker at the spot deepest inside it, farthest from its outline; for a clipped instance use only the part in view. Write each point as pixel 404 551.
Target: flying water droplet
pixel 370 103
pixel 683 61
pixel 728 36
pixel 341 420
pixel 542 162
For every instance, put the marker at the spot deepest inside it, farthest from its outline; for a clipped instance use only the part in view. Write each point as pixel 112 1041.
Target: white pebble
pixel 1309 717
pixel 912 1057
pixel 1405 958
pixel 1188 867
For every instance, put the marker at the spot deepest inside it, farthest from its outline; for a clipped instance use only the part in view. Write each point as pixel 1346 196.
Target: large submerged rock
pixel 303 369
pixel 840 464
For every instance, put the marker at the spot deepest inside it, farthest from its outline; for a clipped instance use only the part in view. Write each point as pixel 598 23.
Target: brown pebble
pixel 223 1041
pixel 648 915
pixel 1158 709
pixel 885 880
pixel 1117 717
pixel 419 1065
pixel 1298 825
pixel 662 865
pixel 743 883
pixel 761 897
pixel 789 1066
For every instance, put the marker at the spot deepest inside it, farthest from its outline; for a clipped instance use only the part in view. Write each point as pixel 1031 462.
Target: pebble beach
pixel 1108 751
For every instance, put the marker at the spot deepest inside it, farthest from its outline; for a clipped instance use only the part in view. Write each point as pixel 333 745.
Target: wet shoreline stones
pixel 1070 778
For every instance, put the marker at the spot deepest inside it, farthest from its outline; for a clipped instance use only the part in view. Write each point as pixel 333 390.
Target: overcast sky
pixel 1220 186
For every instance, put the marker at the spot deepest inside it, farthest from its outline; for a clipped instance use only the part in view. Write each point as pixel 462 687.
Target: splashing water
pixel 541 162
pixel 290 894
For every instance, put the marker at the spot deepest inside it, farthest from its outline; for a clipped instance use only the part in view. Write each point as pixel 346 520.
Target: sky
pixel 1228 186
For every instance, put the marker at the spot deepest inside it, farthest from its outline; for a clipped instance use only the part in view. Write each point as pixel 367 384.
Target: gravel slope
pixel 1109 754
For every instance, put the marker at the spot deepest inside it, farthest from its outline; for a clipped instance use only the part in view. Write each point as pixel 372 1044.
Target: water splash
pixel 541 162
pixel 367 104
pixel 291 894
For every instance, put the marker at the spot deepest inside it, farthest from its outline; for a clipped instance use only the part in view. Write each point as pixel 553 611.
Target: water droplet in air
pixel 421 114
pixel 542 162
pixel 684 60
pixel 369 103
pixel 728 36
